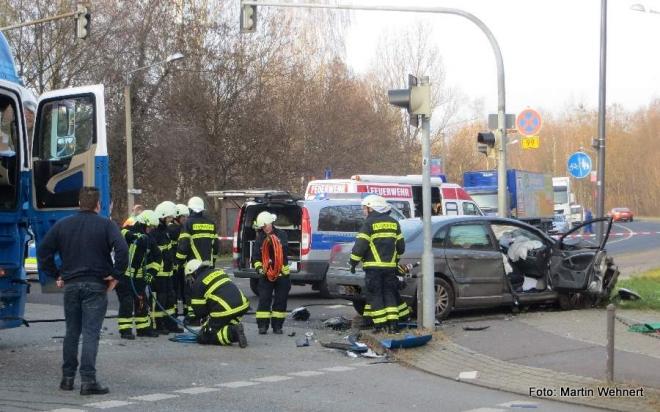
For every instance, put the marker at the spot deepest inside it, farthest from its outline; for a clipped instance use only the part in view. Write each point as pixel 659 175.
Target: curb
pixel 446 359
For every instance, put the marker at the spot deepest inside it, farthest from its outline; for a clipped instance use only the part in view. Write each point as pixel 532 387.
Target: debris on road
pixel 408 341
pixel 475 328
pixel 337 323
pixel 627 294
pixel 467 375
pixel 300 313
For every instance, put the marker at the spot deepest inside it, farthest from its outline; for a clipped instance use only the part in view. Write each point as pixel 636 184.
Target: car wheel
pixel 444 298
pixel 359 305
pixel 574 300
pixel 254 286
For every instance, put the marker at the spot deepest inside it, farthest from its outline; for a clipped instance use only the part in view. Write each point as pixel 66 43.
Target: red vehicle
pixel 621 214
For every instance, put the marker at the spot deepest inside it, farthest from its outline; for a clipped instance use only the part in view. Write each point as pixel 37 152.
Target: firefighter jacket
pixel 144 258
pixel 379 243
pixel 174 230
pixel 198 240
pixel 162 239
pixel 258 243
pixel 214 295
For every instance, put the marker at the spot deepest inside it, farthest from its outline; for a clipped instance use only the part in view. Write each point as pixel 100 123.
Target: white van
pixel 398 195
pixel 452 197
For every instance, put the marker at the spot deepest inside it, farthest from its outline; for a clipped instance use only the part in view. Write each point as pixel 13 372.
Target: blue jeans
pixel 85 304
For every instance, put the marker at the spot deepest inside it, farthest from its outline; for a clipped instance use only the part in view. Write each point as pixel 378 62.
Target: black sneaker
pixel 66 384
pixel 240 334
pixel 93 388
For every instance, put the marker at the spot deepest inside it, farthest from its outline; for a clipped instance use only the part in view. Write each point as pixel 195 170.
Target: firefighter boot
pixel 238 333
pixel 127 334
pixel 67 383
pixel 147 332
pixel 93 388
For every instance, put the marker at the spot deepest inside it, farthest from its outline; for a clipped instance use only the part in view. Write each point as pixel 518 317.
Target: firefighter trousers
pixel 219 331
pixel 272 301
pixel 132 307
pixel 381 287
pixel 163 292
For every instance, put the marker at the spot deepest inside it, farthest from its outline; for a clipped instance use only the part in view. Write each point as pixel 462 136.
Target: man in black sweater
pixel 84 242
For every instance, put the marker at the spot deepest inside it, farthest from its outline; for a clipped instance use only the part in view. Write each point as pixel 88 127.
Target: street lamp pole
pixel 600 207
pixel 130 183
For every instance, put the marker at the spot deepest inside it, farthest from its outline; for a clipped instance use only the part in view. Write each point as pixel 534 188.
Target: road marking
pixel 306 374
pixel 197 390
pixel 237 384
pixel 338 369
pixel 274 378
pixel 108 404
pixel 486 410
pixel 67 410
pixel 335 306
pixel 631 233
pixel 153 397
pixel 519 404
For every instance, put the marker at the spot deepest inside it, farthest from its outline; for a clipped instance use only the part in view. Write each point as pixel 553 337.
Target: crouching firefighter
pixel 214 297
pixel 144 262
pixel 378 245
pixel 269 258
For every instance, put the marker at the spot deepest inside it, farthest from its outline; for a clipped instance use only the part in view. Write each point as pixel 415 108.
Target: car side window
pixel 439 238
pixel 340 218
pixel 452 208
pixel 470 236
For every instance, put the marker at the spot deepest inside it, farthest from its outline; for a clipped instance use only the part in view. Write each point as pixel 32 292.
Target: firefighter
pixel 215 298
pixel 144 262
pixel 198 240
pixel 273 270
pixel 137 209
pixel 378 245
pixel 164 297
pixel 174 229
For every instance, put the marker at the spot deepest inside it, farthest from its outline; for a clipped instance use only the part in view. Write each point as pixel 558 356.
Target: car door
pixel 573 258
pixel 69 151
pixel 474 261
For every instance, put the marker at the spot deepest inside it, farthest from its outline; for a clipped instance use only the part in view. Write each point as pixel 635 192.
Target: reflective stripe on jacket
pixel 215 295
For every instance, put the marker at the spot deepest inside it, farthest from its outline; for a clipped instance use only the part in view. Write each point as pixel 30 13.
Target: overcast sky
pixel 550 50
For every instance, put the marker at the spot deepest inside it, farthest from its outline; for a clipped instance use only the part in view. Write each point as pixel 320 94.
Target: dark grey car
pixel 488 261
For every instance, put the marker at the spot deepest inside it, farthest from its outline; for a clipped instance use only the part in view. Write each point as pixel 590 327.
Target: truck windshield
pixel 561 194
pixel 485 200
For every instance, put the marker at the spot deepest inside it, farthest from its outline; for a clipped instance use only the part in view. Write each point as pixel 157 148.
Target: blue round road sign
pixel 579 165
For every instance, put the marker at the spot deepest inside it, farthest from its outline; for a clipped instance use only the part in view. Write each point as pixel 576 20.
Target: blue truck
pixel 50 147
pixel 530 195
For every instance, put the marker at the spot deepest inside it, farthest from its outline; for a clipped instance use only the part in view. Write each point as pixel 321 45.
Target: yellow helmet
pixel 148 218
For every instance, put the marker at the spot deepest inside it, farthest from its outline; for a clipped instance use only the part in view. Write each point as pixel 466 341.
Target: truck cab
pixel 41 172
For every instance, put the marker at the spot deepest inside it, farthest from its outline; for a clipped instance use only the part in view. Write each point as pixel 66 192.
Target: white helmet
pixel 148 218
pixel 192 266
pixel 196 204
pixel 264 218
pixel 377 203
pixel 165 209
pixel 182 210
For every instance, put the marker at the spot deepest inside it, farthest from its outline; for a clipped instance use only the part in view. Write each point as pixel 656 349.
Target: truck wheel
pixel 322 287
pixel 254 286
pixel 444 298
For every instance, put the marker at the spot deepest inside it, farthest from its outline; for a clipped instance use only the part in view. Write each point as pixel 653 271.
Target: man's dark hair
pixel 89 197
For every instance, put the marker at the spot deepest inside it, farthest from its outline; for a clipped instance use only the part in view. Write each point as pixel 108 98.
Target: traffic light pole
pixel 602 106
pixel 428 271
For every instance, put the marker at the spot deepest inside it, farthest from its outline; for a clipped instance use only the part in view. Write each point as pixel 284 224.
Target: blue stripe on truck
pixel 324 241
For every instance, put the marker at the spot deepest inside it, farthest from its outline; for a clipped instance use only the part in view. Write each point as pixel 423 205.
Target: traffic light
pixel 486 143
pixel 248 18
pixel 83 20
pixel 416 99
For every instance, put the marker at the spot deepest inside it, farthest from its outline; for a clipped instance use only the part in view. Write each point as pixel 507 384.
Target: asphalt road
pixel 634 237
pixel 272 374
